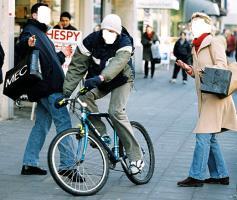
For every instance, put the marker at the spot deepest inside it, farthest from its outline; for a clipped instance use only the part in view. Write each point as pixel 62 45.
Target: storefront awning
pixel 208 7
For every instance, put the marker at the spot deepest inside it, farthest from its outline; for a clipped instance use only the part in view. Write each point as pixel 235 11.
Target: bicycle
pixel 92 156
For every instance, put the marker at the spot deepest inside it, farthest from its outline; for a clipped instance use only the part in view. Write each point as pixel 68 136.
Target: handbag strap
pixel 212 58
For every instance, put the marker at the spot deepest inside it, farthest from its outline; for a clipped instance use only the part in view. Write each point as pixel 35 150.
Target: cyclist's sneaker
pixel 31 170
pixel 72 174
pixel 136 166
pixel 106 139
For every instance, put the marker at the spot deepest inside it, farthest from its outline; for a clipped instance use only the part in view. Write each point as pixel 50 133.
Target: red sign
pixel 63 38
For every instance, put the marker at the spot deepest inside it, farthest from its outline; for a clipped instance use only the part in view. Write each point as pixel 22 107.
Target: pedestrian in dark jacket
pixel 148 38
pixel 182 51
pixel 46 91
pixel 2 55
pixel 236 51
pixel 64 23
pixel 231 42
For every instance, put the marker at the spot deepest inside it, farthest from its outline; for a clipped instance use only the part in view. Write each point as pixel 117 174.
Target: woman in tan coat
pixel 215 114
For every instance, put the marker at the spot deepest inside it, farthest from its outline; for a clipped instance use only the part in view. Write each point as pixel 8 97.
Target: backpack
pixel 125 31
pixel 2 55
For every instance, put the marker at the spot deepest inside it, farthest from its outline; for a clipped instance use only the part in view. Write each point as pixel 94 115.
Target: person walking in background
pixel 231 42
pixel 182 51
pixel 2 55
pixel 97 27
pixel 44 92
pixel 65 19
pixel 215 115
pixel 236 52
pixel 148 38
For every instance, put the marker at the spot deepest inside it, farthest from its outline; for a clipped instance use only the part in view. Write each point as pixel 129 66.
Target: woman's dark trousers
pixel 146 69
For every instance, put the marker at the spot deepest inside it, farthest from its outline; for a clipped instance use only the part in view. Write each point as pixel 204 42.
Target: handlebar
pixel 65 101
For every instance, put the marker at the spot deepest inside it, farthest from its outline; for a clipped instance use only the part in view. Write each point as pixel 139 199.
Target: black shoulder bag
pixel 27 72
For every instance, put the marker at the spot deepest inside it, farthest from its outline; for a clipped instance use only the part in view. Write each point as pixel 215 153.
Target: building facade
pixel 166 16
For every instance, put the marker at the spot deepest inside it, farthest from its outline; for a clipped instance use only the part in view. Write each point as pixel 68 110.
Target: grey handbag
pixel 155 50
pixel 216 81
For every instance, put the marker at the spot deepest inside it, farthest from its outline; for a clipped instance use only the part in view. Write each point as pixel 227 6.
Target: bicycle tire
pixel 59 179
pixel 138 179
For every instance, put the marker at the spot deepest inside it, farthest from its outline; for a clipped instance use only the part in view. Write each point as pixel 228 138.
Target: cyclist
pixel 105 56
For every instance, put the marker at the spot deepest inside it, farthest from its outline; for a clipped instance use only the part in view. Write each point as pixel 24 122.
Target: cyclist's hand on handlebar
pixel 93 82
pixel 60 102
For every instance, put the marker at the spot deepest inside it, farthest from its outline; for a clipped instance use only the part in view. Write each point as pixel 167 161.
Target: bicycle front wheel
pixel 77 176
pixel 145 142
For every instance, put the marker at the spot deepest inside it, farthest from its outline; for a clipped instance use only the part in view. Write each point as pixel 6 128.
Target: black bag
pixel 156 60
pixel 216 81
pixel 25 74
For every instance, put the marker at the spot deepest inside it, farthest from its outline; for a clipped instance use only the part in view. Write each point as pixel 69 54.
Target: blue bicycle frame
pixel 87 125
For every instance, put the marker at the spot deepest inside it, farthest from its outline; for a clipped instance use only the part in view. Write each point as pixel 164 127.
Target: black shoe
pixel 222 181
pixel 31 170
pixel 190 182
pixel 145 76
pixel 72 174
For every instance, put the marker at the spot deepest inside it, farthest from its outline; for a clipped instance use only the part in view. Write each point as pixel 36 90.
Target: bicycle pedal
pixel 106 139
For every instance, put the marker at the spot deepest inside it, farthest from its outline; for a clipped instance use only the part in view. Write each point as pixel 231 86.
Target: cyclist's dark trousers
pixel 117 112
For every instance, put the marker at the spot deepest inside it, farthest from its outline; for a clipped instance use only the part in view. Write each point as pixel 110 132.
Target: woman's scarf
pixel 198 41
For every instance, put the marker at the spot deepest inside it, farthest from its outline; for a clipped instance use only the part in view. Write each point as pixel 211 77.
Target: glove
pixel 60 102
pixel 114 83
pixel 92 82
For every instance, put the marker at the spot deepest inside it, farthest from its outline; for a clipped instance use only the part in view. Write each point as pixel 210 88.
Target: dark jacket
pixel 182 51
pixel 95 57
pixel 236 52
pixel 50 61
pixel 2 55
pixel 146 42
pixel 70 27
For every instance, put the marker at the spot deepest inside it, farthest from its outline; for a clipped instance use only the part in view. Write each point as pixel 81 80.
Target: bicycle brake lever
pixel 83 91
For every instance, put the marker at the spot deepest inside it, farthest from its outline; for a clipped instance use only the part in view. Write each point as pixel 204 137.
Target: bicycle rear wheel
pixel 79 178
pixel 145 142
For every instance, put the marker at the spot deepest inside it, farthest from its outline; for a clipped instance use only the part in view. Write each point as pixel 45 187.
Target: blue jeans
pixel 45 114
pixel 207 153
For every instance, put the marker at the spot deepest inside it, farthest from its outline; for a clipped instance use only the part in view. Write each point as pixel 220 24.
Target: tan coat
pixel 215 114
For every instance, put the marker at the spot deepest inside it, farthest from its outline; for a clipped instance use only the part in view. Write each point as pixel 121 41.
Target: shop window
pixel 97 12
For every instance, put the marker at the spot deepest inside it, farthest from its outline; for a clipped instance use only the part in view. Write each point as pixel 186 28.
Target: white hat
pixel 112 22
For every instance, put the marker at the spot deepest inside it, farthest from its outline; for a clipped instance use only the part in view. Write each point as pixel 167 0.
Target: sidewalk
pixel 168 111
